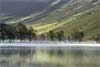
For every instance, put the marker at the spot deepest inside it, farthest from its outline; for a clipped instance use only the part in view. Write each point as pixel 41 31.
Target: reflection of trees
pixel 51 52
pixel 60 52
pixel 22 51
pixel 8 52
pixel 77 52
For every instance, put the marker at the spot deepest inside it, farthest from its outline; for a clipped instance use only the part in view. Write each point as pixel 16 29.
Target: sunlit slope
pixel 88 21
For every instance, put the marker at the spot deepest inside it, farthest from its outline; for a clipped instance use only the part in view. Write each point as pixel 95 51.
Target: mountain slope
pixel 86 19
pixel 61 10
pixel 66 15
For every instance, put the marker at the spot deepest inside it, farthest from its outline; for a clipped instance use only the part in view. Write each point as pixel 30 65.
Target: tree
pixel 33 33
pixel 51 35
pixel 2 35
pixel 22 31
pixel 7 32
pixel 69 38
pixel 81 35
pixel 42 37
pixel 10 32
pixel 2 30
pixel 60 35
pixel 77 35
pixel 29 35
pixel 97 38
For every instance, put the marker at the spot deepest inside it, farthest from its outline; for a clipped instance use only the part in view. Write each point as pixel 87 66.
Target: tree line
pixel 20 32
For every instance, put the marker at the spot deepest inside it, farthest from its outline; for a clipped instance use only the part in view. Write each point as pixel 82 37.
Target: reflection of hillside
pixel 53 56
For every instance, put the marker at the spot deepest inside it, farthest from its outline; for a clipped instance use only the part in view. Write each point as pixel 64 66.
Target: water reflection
pixel 50 57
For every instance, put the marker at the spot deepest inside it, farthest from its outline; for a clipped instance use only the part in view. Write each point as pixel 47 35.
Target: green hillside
pixel 87 21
